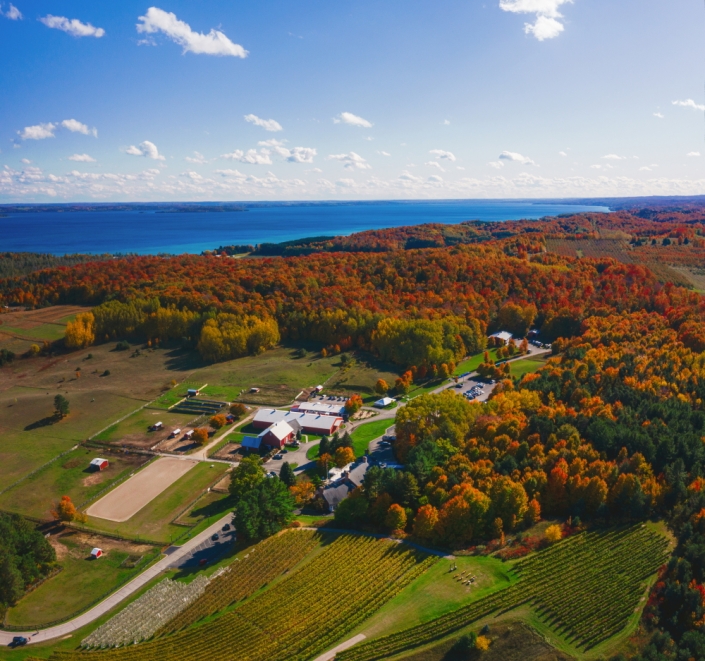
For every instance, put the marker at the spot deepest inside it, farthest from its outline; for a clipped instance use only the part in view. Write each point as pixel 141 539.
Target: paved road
pixel 121 594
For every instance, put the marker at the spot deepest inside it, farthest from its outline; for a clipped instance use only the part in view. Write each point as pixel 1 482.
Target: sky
pixel 352 99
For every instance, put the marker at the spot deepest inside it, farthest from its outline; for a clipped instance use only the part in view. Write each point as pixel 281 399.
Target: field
pixel 323 601
pixel 518 368
pixel 128 498
pixel 19 330
pixel 593 248
pixel 471 364
pixel 133 431
pixel 361 377
pixel 154 521
pixel 363 434
pixel 585 589
pixel 69 476
pixel 82 581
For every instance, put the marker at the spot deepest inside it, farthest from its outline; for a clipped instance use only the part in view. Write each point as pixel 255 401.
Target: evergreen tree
pixel 324 446
pixel 264 510
pixel 286 475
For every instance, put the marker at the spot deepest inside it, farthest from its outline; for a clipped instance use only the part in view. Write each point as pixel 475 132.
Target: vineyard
pixel 262 564
pixel 296 619
pixel 585 588
pixel 592 248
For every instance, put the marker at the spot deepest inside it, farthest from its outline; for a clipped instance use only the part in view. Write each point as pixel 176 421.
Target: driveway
pixel 175 556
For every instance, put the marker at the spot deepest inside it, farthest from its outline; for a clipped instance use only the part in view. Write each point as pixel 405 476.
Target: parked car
pixel 202 562
pixel 226 527
pixel 18 641
pixel 215 537
pixel 278 456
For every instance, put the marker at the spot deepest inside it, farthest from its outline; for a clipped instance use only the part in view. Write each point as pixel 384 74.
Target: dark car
pixel 226 527
pixel 202 562
pixel 18 641
pixel 215 537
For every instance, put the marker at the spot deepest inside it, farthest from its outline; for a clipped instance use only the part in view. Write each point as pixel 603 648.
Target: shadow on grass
pixel 44 422
pixel 216 508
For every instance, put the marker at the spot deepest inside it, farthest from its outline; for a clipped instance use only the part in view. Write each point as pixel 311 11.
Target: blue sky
pixel 235 100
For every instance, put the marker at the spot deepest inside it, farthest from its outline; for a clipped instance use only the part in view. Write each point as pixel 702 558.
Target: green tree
pixel 396 518
pixel 264 510
pixel 352 512
pixel 248 474
pixel 324 446
pixel 286 475
pixel 61 406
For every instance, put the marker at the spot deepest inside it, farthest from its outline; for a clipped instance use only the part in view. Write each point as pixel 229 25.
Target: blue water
pixel 148 232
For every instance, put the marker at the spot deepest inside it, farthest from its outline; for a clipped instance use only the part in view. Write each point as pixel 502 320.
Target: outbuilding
pixel 99 464
pixel 96 553
pixel 502 337
pixel 251 442
pixel 157 426
pixel 384 402
pixel 192 392
pixel 175 433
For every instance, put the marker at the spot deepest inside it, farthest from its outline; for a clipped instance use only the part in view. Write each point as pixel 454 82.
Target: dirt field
pixel 131 496
pixel 44 324
pixel 228 452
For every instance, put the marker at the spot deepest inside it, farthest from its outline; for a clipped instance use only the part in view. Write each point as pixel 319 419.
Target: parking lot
pixel 208 551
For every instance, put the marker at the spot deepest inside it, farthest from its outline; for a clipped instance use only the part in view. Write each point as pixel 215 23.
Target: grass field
pixel 69 476
pixel 363 434
pixel 362 377
pixel 136 426
pixel 210 505
pixel 153 521
pixel 518 368
pixel 471 364
pixel 82 581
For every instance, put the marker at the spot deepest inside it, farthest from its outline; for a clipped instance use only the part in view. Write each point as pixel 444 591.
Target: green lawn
pixel 435 593
pixel 312 452
pixel 80 583
pixel 139 423
pixel 365 433
pixel 210 506
pixel 425 387
pixel 471 364
pixel 69 476
pixel 154 521
pixel 175 394
pixel 362 377
pixel 525 366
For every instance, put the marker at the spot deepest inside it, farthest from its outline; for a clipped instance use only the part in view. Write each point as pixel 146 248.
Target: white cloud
pixel 266 124
pixel 346 183
pixel 435 164
pixel 689 103
pixel 12 13
pixel 147 149
pixel 26 161
pixel 353 120
pixel 351 161
pixel 75 126
pixel 407 176
pixel 272 142
pixel 693 153
pixel 659 115
pixel 82 158
pixel 197 158
pixel 298 154
pixel 497 165
pixel 446 122
pixel 440 153
pixel 435 179
pixel 213 43
pixel 73 26
pixel 384 153
pixel 457 167
pixel 516 158
pixel 614 157
pixel 547 25
pixel 251 156
pixel 562 153
pixel 38 131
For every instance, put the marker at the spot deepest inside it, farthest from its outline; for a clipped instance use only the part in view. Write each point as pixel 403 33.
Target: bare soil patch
pixel 223 486
pixel 83 539
pixel 131 496
pixel 228 452
pixel 28 319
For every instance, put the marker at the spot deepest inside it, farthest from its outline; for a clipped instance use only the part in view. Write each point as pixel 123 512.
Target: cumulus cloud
pixel 693 153
pixel 11 12
pixel 435 179
pixel 407 176
pixel 351 161
pixel 147 149
pixel 384 153
pixel 82 158
pixel 213 43
pixel 516 158
pixel 75 126
pixel 659 115
pixel 562 153
pixel 251 156
pixel 446 122
pixel 689 103
pixel 547 24
pixel 614 157
pixel 197 158
pixel 266 124
pixel 26 161
pixel 435 164
pixel 353 120
pixel 38 131
pixel 440 153
pixel 72 26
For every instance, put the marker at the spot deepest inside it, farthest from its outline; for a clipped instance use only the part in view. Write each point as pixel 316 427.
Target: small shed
pixel 251 442
pixel 96 553
pixel 175 433
pixel 192 392
pixel 254 390
pixel 502 337
pixel 385 401
pixel 99 464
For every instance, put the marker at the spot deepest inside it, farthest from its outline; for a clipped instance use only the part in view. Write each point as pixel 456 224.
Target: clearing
pixel 133 431
pixel 363 434
pixel 128 498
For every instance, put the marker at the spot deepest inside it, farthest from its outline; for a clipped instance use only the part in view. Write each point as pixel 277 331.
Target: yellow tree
pixel 344 456
pixel 81 332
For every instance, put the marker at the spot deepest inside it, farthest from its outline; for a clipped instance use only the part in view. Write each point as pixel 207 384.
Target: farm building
pixel 339 489
pixel 96 553
pixel 308 423
pixel 385 401
pixel 320 408
pixel 318 388
pixel 278 435
pixel 503 337
pixel 251 442
pixel 99 464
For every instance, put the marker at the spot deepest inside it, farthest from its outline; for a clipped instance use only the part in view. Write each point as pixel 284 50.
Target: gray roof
pixel 335 493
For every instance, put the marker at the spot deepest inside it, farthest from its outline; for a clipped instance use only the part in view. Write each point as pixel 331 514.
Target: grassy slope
pixel 68 476
pixel 369 431
pixel 472 363
pixel 525 366
pixel 81 582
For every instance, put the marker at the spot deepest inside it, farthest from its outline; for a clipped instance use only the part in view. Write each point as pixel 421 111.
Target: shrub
pixel 122 345
pixel 553 533
pixel 483 643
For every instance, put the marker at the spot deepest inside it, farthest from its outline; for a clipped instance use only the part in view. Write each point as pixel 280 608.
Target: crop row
pixel 243 577
pixel 296 618
pixel 586 587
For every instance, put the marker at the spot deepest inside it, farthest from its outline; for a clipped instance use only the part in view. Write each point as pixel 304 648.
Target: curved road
pixel 67 628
